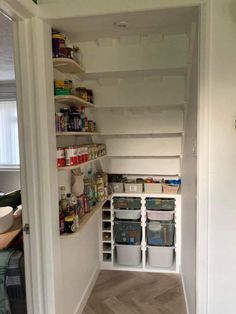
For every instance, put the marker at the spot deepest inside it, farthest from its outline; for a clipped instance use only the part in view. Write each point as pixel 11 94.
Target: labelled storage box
pixel 155 203
pixel 160 233
pixel 127 232
pixel 128 255
pixel 117 187
pixel 127 214
pixel 127 202
pixel 153 188
pixel 133 188
pixel 160 215
pixel 160 256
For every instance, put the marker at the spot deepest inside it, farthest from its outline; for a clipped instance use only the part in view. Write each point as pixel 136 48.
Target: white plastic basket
pixel 133 188
pixel 160 256
pixel 128 255
pixel 153 188
pixel 127 214
pixel 160 215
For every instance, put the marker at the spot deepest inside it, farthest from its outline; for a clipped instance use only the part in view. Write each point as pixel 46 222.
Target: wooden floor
pixel 118 292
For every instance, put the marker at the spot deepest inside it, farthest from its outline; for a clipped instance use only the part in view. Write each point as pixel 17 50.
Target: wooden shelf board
pixel 80 165
pixel 76 133
pixel 66 65
pixel 72 100
pixel 7 237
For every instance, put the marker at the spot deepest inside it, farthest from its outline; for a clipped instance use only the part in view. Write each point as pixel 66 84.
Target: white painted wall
pixel 80 265
pixel 222 149
pixel 189 189
pixel 9 181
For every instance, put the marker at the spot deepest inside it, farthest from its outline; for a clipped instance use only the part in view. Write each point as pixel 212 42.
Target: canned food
pixel 58 45
pixel 75 155
pixel 69 158
pixel 60 157
pixel 59 84
pixel 70 225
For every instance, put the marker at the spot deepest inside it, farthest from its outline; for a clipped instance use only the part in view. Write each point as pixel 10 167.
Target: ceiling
pixel 139 23
pixel 6 50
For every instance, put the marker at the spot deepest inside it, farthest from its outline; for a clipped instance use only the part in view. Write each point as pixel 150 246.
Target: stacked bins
pixel 127 230
pixel 160 231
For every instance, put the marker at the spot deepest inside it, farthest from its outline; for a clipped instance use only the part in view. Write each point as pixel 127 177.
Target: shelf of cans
pixel 73 119
pixel 74 209
pixel 71 156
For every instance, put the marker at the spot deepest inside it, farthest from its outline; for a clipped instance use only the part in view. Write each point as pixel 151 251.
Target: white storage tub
pixel 159 256
pixel 133 188
pixel 128 255
pixel 153 188
pixel 127 214
pixel 117 187
pixel 160 215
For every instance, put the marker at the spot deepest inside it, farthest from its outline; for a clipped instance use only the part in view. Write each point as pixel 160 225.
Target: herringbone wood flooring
pixel 118 292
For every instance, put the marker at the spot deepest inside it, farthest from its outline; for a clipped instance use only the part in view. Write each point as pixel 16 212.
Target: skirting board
pixel 184 289
pixel 87 292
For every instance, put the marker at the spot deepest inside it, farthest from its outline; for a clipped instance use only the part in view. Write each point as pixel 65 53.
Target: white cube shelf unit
pixel 111 262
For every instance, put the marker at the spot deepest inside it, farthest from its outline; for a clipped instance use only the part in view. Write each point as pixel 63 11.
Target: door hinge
pixel 26 228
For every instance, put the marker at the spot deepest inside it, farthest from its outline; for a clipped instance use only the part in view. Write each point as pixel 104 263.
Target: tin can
pixel 60 157
pixel 75 155
pixel 60 122
pixel 70 225
pixel 58 45
pixel 69 156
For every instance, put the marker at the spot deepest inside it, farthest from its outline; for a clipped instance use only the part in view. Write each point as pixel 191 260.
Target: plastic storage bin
pixel 117 187
pixel 160 233
pixel 127 232
pixel 127 214
pixel 128 255
pixel 152 187
pixel 133 188
pixel 127 202
pixel 160 215
pixel 160 203
pixel 160 256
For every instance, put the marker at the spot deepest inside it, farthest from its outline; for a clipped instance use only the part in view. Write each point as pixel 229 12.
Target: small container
pixel 160 215
pixel 160 233
pixel 58 45
pixel 60 122
pixel 90 95
pixel 81 92
pixel 69 156
pixel 156 203
pixel 152 188
pixel 117 187
pixel 133 187
pixel 70 224
pixel 125 214
pixel 60 157
pixel 127 202
pixel 127 232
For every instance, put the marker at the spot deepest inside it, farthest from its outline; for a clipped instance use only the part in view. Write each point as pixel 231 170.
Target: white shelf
pixel 146 156
pixel 76 133
pixel 154 134
pixel 67 65
pixel 80 165
pixel 176 71
pixel 72 100
pixel 157 106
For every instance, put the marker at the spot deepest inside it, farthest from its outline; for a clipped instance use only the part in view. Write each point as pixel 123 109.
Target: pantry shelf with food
pixel 67 168
pixel 85 220
pixel 72 100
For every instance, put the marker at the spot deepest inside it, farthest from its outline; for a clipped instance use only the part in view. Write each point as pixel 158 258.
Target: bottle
pixel 61 221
